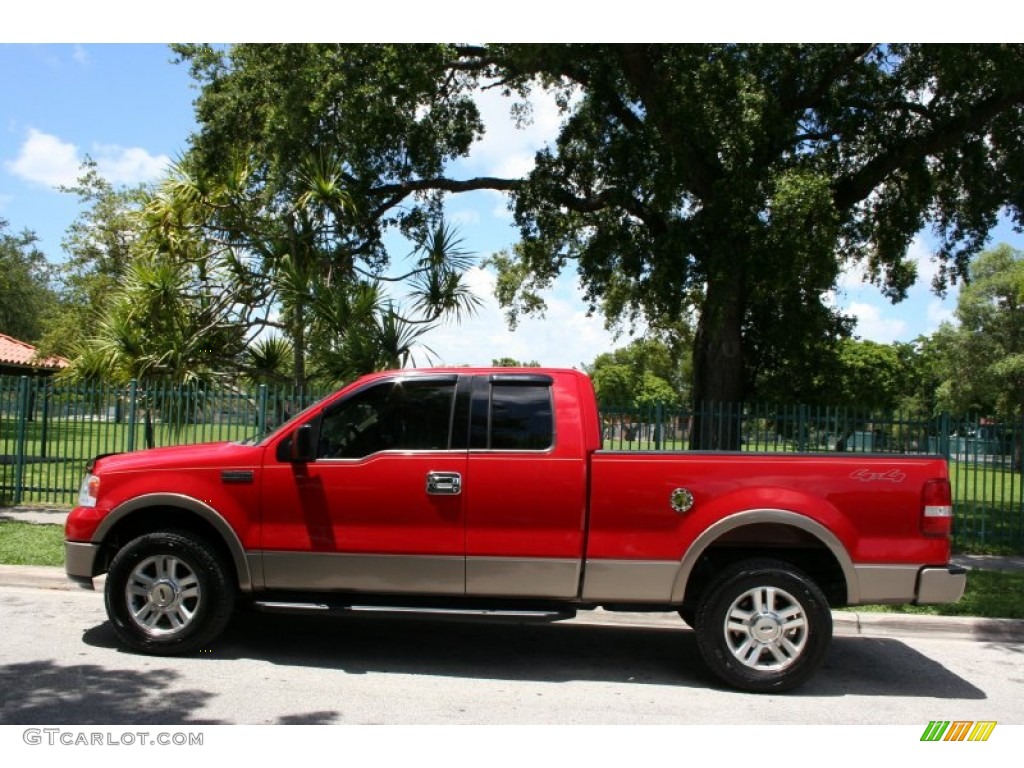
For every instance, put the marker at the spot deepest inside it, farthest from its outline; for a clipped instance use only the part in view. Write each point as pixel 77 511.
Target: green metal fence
pixel 49 430
pixel 984 455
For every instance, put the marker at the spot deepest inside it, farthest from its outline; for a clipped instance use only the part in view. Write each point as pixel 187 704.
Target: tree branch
pixel 858 185
pixel 394 194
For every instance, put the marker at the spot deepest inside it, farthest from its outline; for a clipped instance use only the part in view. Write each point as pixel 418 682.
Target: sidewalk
pixel 846 623
pixel 35 514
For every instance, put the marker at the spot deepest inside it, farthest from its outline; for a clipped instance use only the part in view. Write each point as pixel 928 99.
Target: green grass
pixel 30 544
pixel 989 594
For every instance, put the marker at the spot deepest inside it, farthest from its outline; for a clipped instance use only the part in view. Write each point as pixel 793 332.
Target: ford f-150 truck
pixel 487 489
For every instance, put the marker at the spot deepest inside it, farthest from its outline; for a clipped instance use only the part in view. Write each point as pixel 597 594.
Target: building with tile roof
pixel 20 358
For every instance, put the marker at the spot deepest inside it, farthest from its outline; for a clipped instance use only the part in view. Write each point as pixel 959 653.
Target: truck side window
pixel 521 417
pixel 405 415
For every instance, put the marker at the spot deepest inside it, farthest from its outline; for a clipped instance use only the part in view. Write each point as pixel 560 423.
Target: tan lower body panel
pixel 382 574
pixel 886 583
pixel 608 581
pixel 422 574
pixel 630 581
pixel 941 585
pixel 522 577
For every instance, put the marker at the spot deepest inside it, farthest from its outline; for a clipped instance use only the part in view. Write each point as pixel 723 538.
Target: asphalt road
pixel 60 664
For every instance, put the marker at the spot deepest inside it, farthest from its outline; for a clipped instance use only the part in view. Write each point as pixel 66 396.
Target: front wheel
pixel 763 626
pixel 168 593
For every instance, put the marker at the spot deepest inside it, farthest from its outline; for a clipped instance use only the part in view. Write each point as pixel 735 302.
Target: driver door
pixel 380 508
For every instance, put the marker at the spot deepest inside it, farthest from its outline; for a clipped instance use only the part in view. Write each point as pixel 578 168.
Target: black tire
pixel 168 593
pixel 763 626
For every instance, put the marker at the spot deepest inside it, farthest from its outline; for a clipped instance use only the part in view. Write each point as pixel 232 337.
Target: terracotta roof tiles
pixel 19 353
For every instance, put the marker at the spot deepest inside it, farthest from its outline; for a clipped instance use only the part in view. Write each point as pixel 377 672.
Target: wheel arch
pixel 762 533
pixel 162 511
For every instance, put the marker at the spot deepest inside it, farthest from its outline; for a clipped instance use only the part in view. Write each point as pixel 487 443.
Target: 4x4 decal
pixel 867 476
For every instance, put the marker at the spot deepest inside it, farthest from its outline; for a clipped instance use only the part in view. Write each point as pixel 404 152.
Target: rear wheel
pixel 763 626
pixel 168 593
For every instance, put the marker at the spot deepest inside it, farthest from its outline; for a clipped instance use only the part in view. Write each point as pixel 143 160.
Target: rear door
pixel 525 489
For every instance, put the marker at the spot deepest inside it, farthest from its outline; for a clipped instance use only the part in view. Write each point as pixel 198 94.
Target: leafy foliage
pixel 725 186
pixel 27 297
pixel 511 362
pixel 644 373
pixel 984 355
pixel 306 156
pixel 163 322
pixel 737 181
pixel 99 244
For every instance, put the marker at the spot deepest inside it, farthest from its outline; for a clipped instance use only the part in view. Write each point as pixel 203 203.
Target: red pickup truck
pixel 487 489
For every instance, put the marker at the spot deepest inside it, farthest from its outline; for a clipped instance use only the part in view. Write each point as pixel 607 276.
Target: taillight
pixel 937 508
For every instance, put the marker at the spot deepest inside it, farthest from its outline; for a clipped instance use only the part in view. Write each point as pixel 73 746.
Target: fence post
pixel 658 416
pixel 19 448
pixel 801 427
pixel 944 435
pixel 44 432
pixel 133 399
pixel 261 415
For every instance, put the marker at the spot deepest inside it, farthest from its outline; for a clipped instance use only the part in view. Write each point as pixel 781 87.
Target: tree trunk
pixel 149 434
pixel 719 366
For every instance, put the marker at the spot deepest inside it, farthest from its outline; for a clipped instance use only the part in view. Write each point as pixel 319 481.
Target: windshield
pixel 259 438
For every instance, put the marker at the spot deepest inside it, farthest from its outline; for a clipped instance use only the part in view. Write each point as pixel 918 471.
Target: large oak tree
pixel 740 180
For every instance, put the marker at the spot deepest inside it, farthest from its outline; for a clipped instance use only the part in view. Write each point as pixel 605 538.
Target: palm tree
pixel 292 260
pixel 161 325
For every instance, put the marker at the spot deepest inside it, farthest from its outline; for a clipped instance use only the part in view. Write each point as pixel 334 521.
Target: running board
pixel 273 606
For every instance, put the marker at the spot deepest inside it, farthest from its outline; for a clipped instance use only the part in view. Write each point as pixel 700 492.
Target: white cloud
pixel 927 267
pixel 855 276
pixel 463 217
pixel 45 159
pixel 500 209
pixel 565 337
pixel 939 312
pixel 80 55
pixel 872 325
pixel 507 151
pixel 48 160
pixel 128 165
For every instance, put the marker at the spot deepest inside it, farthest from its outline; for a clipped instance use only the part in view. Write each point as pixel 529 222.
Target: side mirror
pixel 302 447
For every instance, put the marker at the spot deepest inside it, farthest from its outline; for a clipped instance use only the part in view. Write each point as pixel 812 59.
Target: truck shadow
pixel 555 652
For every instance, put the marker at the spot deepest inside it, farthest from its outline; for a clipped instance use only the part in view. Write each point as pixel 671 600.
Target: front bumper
pixel 80 559
pixel 941 585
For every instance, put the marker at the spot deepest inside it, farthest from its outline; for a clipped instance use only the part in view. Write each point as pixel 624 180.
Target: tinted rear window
pixel 521 417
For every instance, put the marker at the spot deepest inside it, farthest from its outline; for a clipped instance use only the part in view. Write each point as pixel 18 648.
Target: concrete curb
pixel 852 623
pixel 35 577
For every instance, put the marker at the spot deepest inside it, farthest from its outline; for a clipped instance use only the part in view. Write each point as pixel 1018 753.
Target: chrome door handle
pixel 444 483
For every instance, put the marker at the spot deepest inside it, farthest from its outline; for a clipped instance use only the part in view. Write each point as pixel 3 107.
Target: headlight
pixel 89 491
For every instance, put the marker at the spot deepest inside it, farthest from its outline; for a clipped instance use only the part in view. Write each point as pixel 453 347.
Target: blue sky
pixel 130 109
